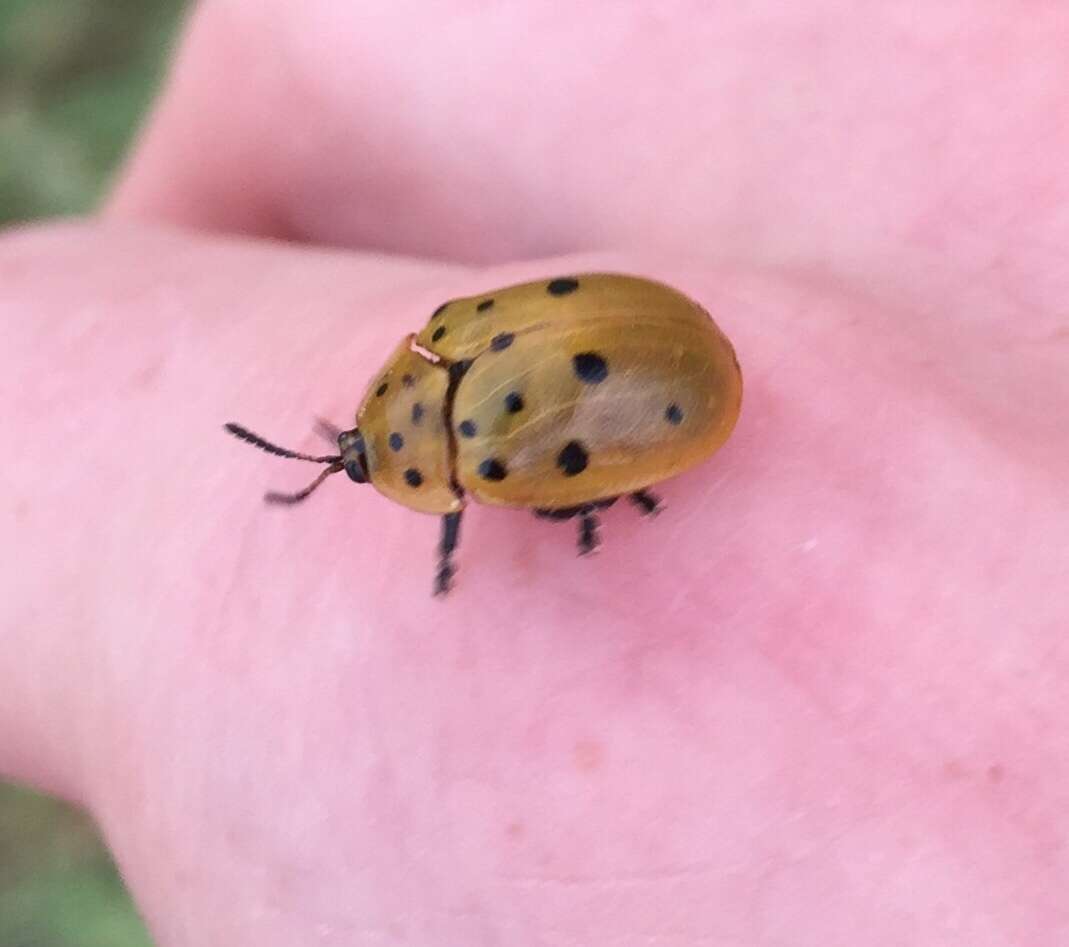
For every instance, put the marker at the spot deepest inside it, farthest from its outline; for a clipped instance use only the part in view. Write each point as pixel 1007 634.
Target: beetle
pixel 559 395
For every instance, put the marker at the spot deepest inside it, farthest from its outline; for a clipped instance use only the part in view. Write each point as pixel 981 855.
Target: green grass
pixel 76 76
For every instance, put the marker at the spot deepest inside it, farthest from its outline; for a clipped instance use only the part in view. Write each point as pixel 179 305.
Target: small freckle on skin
pixel 147 376
pixel 144 379
pixel 588 755
pixel 514 830
pixel 952 769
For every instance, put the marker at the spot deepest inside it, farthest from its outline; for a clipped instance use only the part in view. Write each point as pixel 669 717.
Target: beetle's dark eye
pixel 353 454
pixel 355 470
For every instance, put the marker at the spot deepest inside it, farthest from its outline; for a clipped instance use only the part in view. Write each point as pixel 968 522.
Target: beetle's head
pixel 353 454
pixel 351 457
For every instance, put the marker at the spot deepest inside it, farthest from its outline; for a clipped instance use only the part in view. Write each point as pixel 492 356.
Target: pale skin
pixel 821 700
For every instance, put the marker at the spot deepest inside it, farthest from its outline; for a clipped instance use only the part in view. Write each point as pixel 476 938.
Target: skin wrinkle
pixel 849 36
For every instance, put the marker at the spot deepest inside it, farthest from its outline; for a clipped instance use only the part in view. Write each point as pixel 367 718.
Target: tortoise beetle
pixel 558 396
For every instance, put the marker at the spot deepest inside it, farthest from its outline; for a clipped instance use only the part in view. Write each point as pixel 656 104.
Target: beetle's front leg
pixel 443 582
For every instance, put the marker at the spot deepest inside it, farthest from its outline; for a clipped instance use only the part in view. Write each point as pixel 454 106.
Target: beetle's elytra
pixel 558 395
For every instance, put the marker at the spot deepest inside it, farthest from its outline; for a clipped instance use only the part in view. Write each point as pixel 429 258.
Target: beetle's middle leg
pixel 589 540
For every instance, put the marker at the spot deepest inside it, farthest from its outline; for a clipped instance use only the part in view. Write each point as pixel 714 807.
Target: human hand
pixel 818 701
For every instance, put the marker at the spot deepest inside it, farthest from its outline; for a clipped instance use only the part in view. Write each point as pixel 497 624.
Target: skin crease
pixel 819 701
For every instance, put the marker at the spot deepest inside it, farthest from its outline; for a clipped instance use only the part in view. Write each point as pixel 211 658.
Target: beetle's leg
pixel 588 531
pixel 570 512
pixel 649 503
pixel 326 430
pixel 450 537
pixel 560 513
pixel 588 521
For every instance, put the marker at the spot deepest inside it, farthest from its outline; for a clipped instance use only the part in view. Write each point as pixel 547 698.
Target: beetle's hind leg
pixel 443 581
pixel 649 503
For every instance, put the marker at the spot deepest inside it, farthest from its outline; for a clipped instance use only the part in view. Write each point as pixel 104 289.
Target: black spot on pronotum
pixel 572 459
pixel 492 469
pixel 590 367
pixel 437 312
pixel 417 413
pixel 563 286
pixel 438 333
pixel 413 477
pixel 484 305
pixel 397 441
pixel 502 341
pixel 381 390
pixel 467 428
pixel 673 414
pixel 513 402
pixel 408 381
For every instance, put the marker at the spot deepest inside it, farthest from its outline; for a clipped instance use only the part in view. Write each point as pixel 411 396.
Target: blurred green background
pixel 76 76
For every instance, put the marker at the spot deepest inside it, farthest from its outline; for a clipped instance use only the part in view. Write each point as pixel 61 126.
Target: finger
pixel 803 134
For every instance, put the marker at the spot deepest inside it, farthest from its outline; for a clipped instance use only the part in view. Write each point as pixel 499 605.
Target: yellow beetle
pixel 559 396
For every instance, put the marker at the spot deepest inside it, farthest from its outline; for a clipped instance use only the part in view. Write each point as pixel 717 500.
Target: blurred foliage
pixel 76 76
pixel 58 887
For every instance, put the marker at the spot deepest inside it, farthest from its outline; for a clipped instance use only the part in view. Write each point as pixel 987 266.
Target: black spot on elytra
pixel 484 305
pixel 513 402
pixel 673 414
pixel 397 441
pixel 572 459
pixel 590 367
pixel 563 286
pixel 417 413
pixel 502 341
pixel 467 428
pixel 437 312
pixel 438 333
pixel 381 390
pixel 413 477
pixel 492 469
pixel 408 381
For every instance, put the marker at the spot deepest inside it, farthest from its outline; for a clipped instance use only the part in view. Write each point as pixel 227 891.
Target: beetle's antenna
pixel 290 498
pixel 246 435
